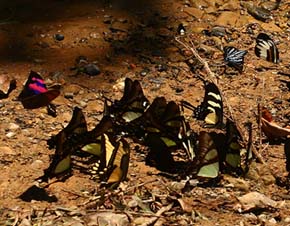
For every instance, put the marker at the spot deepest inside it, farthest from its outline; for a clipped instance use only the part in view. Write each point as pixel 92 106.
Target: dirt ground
pixel 129 39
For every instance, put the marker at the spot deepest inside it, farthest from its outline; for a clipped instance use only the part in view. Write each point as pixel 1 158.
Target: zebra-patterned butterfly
pixel 266 48
pixel 234 57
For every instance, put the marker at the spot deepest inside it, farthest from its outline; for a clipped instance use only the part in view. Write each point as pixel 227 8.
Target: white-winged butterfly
pixel 35 93
pixel 266 48
pixel 181 29
pixel 234 57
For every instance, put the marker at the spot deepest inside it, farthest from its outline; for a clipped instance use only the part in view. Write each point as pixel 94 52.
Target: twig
pixel 158 214
pixel 142 184
pixel 205 64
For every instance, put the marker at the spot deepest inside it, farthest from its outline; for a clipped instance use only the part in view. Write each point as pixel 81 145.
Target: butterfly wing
pixel 188 139
pixel 12 86
pixel 207 157
pixel 133 103
pixel 211 109
pixel 65 147
pixel 234 57
pixel 266 48
pixel 40 100
pixel 237 157
pixel 76 127
pixel 112 166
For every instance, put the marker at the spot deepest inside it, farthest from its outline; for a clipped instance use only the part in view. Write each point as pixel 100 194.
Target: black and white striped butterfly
pixel 266 48
pixel 234 57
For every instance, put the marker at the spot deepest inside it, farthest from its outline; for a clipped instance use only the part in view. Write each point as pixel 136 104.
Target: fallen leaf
pixel 254 201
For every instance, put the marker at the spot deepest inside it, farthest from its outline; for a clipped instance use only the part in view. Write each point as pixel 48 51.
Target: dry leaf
pixel 273 130
pixel 270 128
pixel 255 200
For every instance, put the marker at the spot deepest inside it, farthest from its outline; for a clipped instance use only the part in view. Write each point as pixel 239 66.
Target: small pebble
pixel 144 72
pixel 277 101
pixel 13 126
pixel 69 95
pixel 10 134
pixel 58 37
pixel 92 69
pixel 161 67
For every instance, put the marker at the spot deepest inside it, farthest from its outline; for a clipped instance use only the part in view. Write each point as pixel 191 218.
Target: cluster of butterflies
pixel 265 48
pixel 161 126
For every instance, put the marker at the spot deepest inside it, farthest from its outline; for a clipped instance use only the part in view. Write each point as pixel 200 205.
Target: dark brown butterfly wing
pixel 40 100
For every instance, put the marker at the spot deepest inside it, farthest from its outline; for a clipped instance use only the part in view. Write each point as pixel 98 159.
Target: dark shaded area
pixel 38 194
pixel 23 21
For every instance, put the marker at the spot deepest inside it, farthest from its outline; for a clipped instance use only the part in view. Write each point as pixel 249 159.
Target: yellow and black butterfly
pixel 211 109
pixel 132 105
pixel 64 145
pixel 91 141
pixel 112 166
pixel 266 48
pixel 207 156
pixel 12 86
pixel 235 155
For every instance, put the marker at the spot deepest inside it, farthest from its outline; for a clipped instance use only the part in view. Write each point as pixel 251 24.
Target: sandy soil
pixel 126 39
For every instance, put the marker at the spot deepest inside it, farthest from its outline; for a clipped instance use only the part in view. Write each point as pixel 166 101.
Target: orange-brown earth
pixel 124 39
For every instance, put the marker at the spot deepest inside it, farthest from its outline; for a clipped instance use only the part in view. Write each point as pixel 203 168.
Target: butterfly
pixel 181 29
pixel 188 139
pixel 12 86
pixel 234 57
pixel 161 118
pixel 235 155
pixel 159 154
pixel 266 48
pixel 35 93
pixel 90 141
pixel 211 109
pixel 132 104
pixel 75 127
pixel 113 163
pixel 207 156
pixel 65 145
